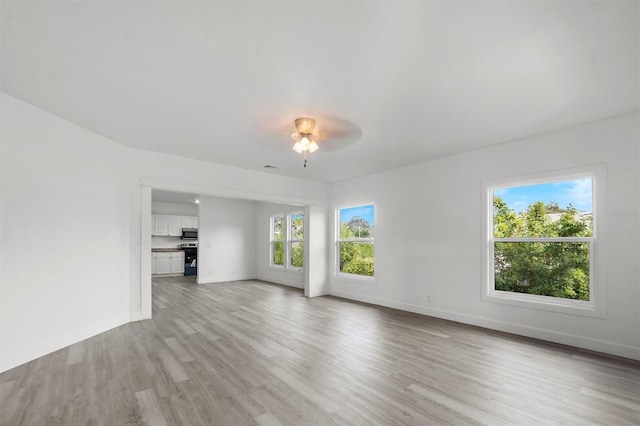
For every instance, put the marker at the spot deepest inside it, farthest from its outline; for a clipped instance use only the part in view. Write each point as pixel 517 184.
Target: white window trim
pixel 345 275
pixel 596 306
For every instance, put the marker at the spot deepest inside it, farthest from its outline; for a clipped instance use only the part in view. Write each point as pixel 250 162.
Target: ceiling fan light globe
pixel 313 146
pixel 304 142
pixel 298 148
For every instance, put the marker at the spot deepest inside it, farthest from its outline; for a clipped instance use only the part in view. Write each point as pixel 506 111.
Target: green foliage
pixel 278 253
pixel 297 227
pixel 557 269
pixel 568 226
pixel 505 222
pixel 297 255
pixel 278 228
pixel 359 266
pixel 359 227
pixel 345 232
pixel 357 258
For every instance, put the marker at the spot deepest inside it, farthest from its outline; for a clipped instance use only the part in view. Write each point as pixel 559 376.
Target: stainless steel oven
pixel 190 258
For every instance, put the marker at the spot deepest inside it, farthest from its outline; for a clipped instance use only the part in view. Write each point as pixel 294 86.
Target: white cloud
pixel 580 194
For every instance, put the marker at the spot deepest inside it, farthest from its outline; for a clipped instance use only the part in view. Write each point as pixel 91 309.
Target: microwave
pixel 189 234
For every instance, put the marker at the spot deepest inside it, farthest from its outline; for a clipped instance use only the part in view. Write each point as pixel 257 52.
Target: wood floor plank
pixel 251 352
pixel 173 366
pixel 267 419
pixel 150 408
pixel 179 349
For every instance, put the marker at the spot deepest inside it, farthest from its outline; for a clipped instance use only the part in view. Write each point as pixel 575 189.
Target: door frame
pixel 148 184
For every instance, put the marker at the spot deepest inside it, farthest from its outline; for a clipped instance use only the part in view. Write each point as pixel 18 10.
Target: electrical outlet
pixel 428 298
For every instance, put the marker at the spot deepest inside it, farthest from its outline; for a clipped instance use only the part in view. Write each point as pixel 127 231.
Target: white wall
pixel 64 203
pixel 265 272
pixel 226 240
pixel 429 238
pixel 178 209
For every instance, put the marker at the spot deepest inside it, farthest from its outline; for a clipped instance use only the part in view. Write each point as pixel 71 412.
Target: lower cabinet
pixel 167 263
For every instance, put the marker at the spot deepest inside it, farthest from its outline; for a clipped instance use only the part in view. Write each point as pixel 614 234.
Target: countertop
pixel 155 250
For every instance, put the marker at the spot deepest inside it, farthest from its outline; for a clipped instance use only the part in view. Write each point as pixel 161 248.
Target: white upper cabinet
pixel 164 225
pixel 160 224
pixel 175 226
pixel 189 221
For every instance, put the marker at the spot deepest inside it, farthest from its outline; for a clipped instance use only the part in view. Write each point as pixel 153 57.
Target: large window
pixel 355 240
pixel 287 241
pixel 541 241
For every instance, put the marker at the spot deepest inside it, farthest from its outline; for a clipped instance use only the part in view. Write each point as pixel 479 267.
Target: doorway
pixel 150 185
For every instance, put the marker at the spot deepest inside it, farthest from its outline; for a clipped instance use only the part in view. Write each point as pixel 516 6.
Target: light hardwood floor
pixel 250 352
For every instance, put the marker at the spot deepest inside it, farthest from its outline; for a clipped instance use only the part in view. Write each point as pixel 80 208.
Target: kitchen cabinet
pixel 160 224
pixel 175 226
pixel 177 264
pixel 167 263
pixel 164 225
pixel 190 222
pixel 163 265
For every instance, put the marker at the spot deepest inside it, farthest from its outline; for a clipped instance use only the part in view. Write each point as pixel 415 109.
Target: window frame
pixel 596 306
pixel 371 240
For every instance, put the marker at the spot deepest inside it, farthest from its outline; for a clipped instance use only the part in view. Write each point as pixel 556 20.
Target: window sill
pixel 545 303
pixel 354 278
pixel 283 269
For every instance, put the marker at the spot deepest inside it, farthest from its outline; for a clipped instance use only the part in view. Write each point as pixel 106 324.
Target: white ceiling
pixel 216 80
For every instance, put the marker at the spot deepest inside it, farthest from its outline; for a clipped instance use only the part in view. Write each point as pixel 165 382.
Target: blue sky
pixel 365 212
pixel 578 192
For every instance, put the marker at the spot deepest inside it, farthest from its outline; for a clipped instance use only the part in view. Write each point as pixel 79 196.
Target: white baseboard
pixel 11 360
pixel 589 343
pixel 321 292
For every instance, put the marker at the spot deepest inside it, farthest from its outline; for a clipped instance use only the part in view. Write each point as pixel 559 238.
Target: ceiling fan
pixel 305 137
pixel 312 132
